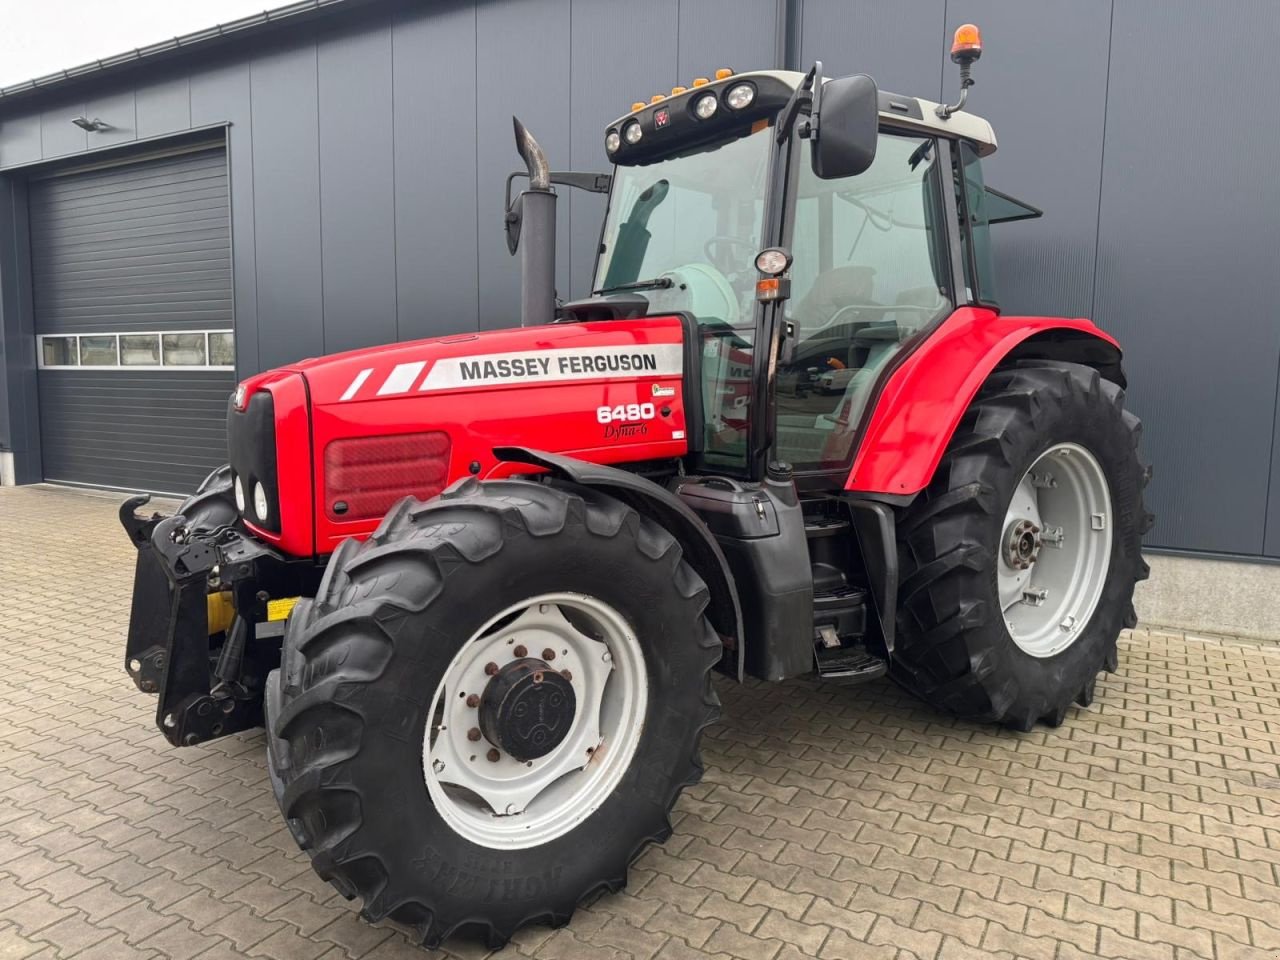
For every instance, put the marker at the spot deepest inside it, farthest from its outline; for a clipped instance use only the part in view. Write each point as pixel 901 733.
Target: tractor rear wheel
pixel 491 705
pixel 1018 562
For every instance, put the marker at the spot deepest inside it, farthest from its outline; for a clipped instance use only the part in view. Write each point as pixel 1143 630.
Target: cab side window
pixel 979 265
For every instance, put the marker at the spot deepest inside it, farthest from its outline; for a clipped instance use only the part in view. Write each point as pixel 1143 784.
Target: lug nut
pixel 473 734
pixel 494 756
pixel 491 668
pixel 521 650
pixel 537 676
pixel 567 675
pixel 473 700
pixel 548 654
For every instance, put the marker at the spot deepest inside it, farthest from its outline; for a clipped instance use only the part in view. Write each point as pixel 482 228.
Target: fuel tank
pixel 410 418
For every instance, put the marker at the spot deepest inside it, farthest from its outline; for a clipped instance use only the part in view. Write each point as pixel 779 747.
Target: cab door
pixel 871 271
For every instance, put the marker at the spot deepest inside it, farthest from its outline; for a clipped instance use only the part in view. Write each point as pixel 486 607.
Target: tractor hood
pixel 363 429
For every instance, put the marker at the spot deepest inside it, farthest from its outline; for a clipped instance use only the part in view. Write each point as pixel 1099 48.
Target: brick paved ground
pixel 832 822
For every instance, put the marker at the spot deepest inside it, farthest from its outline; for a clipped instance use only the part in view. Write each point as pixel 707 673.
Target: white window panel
pixel 121 350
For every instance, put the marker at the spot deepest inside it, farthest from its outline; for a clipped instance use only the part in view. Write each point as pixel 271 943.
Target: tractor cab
pixel 834 222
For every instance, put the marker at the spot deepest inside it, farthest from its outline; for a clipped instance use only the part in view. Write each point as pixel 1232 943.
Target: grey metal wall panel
pixel 357 189
pixel 118 109
pixel 1045 265
pixel 163 106
pixel 19 419
pixel 602 89
pixel 522 68
pixel 20 139
pixel 1187 260
pixel 156 431
pixel 898 43
pixel 435 171
pixel 222 95
pixel 739 34
pixel 286 173
pixel 58 135
pixel 137 247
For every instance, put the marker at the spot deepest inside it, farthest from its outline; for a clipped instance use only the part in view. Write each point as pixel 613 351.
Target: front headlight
pixel 239 488
pixel 612 141
pixel 260 506
pixel 705 106
pixel 632 132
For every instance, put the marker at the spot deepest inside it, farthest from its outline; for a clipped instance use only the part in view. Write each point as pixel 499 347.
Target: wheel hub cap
pixel 527 709
pixel 1021 544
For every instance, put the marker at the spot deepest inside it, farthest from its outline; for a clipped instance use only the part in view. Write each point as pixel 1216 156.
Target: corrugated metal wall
pixel 367 161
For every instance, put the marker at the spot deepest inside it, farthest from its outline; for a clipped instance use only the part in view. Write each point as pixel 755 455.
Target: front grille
pixel 364 476
pixel 251 442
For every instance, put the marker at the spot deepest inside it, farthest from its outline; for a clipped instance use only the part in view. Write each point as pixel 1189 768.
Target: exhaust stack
pixel 531 229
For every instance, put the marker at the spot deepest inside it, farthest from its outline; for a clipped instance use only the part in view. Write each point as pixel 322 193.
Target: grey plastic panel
pixel 1045 266
pixel 156 431
pixel 435 172
pixel 1187 258
pixel 357 189
pixel 286 198
pixel 898 43
pixel 138 247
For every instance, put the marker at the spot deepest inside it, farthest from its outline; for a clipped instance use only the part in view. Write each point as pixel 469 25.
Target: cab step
pixel 853 664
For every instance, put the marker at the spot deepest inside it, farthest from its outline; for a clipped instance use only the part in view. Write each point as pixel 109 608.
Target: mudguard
pixel 658 503
pixel 924 398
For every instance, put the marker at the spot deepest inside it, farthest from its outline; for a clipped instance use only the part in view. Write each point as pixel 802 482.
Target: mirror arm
pixel 808 93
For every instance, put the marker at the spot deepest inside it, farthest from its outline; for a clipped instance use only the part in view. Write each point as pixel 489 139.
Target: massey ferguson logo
pixel 526 366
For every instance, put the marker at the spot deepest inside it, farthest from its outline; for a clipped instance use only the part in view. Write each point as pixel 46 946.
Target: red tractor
pixel 476 587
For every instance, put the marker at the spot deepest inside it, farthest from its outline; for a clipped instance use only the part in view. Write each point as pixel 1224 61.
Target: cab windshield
pixel 684 232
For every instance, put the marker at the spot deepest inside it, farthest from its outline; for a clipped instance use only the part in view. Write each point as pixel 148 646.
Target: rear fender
pixel 923 400
pixel 665 508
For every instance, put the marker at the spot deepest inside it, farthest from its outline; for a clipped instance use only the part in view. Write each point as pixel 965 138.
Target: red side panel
pixel 927 395
pixel 604 392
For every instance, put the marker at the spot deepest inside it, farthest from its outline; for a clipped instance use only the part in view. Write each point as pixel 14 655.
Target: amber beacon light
pixel 967 44
pixel 966 47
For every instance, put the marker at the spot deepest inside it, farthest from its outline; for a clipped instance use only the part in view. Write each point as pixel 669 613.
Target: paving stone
pixel 832 822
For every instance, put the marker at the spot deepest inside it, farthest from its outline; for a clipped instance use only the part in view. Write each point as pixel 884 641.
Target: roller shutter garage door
pixel 131 287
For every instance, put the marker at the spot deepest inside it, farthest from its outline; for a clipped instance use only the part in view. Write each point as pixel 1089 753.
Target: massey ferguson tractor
pixel 476 587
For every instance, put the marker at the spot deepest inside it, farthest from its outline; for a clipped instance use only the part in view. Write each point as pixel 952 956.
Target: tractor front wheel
pixel 491 705
pixel 1020 558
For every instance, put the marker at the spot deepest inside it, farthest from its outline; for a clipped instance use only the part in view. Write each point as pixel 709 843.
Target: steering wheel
pixel 709 248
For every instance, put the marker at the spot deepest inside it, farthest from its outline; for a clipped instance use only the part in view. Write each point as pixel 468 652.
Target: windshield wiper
pixel 657 283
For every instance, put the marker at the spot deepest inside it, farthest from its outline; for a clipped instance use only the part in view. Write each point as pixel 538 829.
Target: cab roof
pixel 913 113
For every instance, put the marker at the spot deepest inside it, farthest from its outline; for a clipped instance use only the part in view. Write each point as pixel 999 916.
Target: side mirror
pixel 848 119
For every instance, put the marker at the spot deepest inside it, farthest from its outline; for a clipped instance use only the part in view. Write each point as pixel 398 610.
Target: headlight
pixel 773 261
pixel 740 96
pixel 239 488
pixel 705 107
pixel 632 132
pixel 612 142
pixel 239 397
pixel 260 502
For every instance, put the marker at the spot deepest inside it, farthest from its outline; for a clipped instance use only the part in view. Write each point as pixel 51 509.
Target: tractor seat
pixel 832 290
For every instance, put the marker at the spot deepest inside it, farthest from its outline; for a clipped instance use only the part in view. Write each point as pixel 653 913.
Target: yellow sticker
pixel 279 609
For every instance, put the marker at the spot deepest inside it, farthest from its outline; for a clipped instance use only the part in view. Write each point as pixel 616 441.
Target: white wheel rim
pixel 1055 550
pixel 511 804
